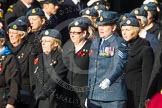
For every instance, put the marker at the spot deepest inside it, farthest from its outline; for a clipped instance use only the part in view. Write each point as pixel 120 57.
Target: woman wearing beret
pixel 9 75
pixel 49 69
pixel 139 65
pixel 76 57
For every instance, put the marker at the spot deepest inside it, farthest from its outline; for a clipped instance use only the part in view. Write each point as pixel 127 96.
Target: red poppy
pixel 91 52
pixel 0 67
pixel 35 60
pixel 81 53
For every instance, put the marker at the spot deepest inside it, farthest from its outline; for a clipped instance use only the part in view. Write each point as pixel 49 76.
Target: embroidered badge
pixel 14 26
pixel 122 55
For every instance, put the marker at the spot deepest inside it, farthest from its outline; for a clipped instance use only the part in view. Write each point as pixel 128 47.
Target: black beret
pixel 51 33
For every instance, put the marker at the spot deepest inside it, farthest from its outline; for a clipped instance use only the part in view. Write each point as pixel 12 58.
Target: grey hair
pixel 22 33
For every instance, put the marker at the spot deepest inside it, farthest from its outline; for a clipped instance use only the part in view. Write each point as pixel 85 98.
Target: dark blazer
pixel 77 76
pixel 138 71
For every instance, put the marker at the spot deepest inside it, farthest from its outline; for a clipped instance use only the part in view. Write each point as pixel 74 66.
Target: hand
pixel 9 106
pixel 42 96
pixel 146 102
pixel 105 84
pixel 85 104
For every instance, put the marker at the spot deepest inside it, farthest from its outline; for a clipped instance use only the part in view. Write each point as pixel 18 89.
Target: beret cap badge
pixel 76 23
pixel 96 7
pixel 136 12
pixel 14 26
pixel 33 11
pixel 145 7
pixel 46 32
pixel 124 18
pixel 128 22
pixel 87 12
pixel 101 18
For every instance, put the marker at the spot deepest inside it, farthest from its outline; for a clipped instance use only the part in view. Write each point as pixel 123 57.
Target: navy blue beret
pixel 125 16
pixel 139 12
pixel 85 19
pixel 151 6
pixel 18 25
pixel 23 19
pixel 35 11
pixel 79 22
pixel 2 33
pixel 130 22
pixel 100 7
pixel 51 33
pixel 89 12
pixel 107 18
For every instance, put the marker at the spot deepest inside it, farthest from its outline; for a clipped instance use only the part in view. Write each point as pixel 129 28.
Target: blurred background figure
pixel 18 9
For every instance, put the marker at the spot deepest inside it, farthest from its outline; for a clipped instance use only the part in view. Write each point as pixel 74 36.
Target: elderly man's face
pixel 36 22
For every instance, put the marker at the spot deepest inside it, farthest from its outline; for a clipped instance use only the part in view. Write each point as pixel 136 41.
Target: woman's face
pixel 48 44
pixel 76 34
pixel 128 32
pixel 149 17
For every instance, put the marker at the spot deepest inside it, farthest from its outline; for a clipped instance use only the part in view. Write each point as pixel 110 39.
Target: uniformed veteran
pixel 49 70
pixel 20 47
pixel 108 59
pixel 9 75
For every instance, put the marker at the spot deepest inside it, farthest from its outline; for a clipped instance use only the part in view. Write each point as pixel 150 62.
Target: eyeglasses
pixel 75 33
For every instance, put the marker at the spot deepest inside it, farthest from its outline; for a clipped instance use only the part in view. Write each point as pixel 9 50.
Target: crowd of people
pixel 80 54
